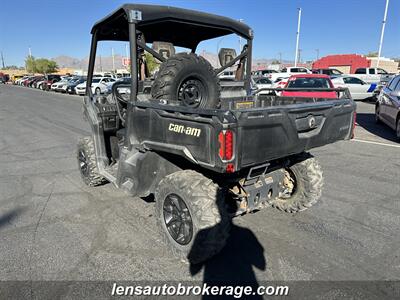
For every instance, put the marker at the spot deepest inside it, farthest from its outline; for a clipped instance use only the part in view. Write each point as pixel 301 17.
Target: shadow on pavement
pixel 8 217
pixel 367 121
pixel 234 264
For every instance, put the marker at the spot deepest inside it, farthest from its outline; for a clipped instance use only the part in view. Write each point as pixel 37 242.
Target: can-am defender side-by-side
pixel 207 149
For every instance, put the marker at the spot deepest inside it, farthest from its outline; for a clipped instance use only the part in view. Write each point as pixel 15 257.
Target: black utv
pixel 206 149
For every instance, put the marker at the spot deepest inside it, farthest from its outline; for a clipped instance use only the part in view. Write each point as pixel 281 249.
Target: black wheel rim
pixel 192 92
pixel 177 219
pixel 83 165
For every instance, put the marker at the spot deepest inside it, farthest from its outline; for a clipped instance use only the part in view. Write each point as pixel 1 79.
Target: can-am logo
pixel 183 129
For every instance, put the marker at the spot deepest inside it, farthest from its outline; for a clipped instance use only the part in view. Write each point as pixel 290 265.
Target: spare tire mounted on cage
pixel 189 80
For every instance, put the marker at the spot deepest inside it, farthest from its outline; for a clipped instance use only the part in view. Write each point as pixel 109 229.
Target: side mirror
pixel 226 55
pixel 164 48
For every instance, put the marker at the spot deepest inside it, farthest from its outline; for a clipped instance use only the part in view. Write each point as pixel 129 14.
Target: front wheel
pixel 87 163
pixel 192 215
pixel 302 185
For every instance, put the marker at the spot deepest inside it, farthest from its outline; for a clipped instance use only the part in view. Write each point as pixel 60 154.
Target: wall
pixel 354 61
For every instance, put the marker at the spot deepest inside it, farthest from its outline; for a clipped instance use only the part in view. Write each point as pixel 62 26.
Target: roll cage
pixel 181 27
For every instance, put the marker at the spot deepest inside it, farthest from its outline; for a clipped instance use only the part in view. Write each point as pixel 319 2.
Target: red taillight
pixel 225 139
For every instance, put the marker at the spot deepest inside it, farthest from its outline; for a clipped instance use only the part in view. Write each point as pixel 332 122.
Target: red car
pixel 312 82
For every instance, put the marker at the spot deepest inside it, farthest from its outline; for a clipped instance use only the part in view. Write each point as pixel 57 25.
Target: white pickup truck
pixel 286 72
pixel 372 75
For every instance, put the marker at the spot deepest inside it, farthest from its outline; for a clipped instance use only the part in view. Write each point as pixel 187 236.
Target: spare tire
pixel 188 80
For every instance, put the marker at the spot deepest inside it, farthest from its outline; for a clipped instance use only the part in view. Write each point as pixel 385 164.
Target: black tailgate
pixel 275 132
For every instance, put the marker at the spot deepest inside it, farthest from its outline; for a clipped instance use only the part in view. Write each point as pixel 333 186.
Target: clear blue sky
pixel 54 27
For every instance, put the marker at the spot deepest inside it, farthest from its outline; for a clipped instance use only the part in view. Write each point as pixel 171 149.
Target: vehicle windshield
pixel 309 83
pixel 96 80
pixel 263 81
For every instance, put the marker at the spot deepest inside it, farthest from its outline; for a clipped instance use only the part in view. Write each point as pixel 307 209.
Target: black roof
pixel 181 27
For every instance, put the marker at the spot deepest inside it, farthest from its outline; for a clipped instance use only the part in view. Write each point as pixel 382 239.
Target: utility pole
pixel 101 67
pixel 297 37
pixel 382 33
pixel 317 50
pixel 2 60
pixel 113 59
pixel 299 59
pixel 280 57
pixel 30 52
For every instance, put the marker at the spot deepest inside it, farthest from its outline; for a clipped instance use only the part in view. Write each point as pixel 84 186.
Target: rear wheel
pixel 191 215
pixel 87 163
pixel 302 185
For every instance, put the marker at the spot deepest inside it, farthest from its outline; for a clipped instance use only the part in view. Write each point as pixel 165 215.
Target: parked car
pixel 261 83
pixel 330 72
pixel 286 72
pixel 50 80
pixel 310 81
pixel 227 75
pixel 264 72
pixel 73 83
pixel 359 89
pixel 4 77
pixel 34 82
pixel 99 86
pixel 14 78
pixel 387 108
pixel 57 85
pixel 372 75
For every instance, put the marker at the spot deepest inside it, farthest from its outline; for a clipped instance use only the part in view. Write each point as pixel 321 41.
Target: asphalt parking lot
pixel 53 227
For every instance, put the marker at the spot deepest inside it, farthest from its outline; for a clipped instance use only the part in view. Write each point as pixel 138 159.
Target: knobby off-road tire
pixel 308 182
pixel 87 163
pixel 205 203
pixel 189 80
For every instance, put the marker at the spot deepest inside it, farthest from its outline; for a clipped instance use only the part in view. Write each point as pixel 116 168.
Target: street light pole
pixel 382 33
pixel 317 50
pixel 113 60
pixel 297 37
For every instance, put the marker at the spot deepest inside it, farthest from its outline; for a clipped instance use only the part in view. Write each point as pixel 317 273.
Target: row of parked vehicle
pixel 69 84
pixel 360 89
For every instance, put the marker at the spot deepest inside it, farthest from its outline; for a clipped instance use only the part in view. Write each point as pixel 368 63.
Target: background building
pixel 348 63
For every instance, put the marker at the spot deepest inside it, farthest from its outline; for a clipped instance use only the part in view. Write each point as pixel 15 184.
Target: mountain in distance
pixel 105 62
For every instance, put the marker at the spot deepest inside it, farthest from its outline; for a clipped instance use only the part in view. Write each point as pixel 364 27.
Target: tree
pixel 30 64
pixel 41 65
pixel 45 66
pixel 372 54
pixel 151 62
pixel 275 62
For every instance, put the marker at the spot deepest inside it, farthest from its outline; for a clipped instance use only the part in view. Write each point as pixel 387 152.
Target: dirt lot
pixel 53 227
